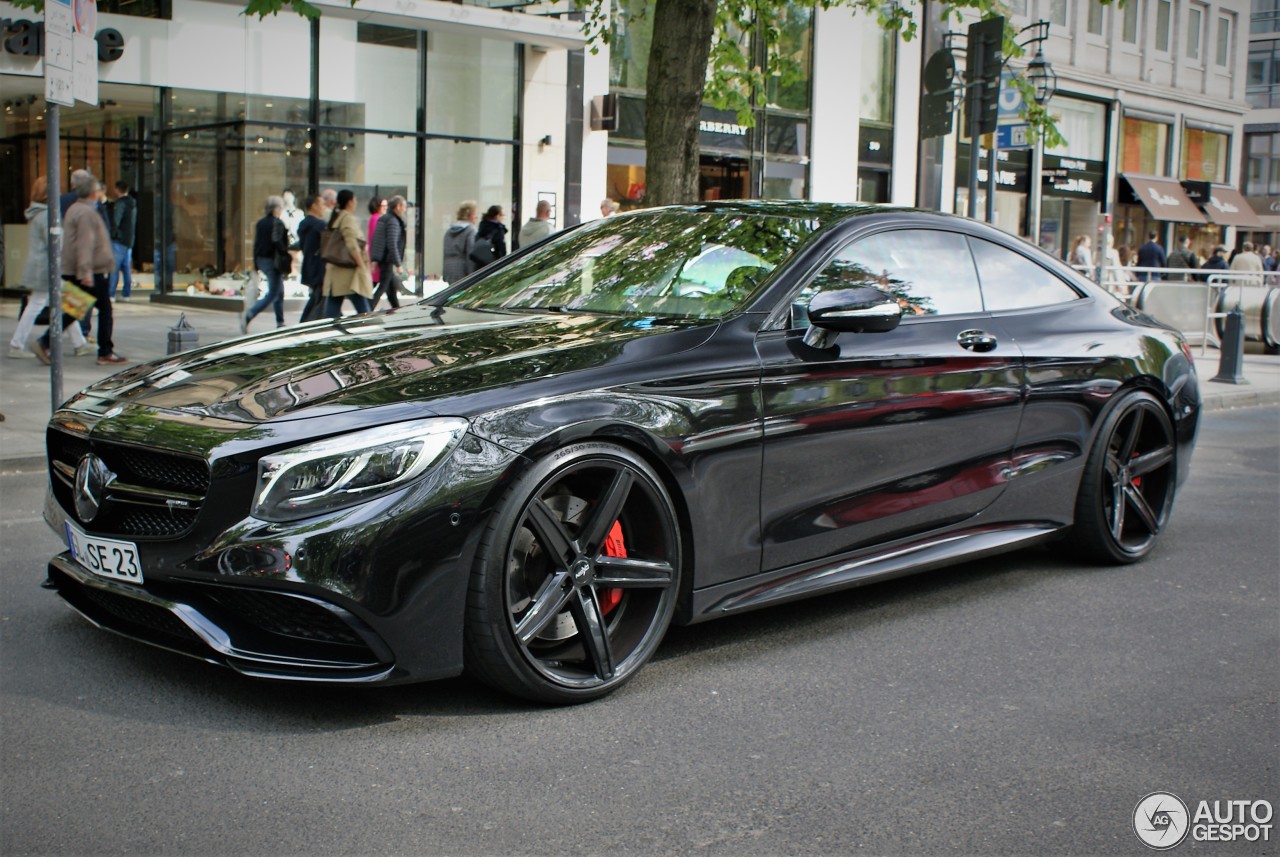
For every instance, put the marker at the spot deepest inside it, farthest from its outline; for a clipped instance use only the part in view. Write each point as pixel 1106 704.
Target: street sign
pixel 59 57
pixel 85 51
pixel 1013 136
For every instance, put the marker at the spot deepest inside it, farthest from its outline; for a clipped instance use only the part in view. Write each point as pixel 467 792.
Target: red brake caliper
pixel 614 545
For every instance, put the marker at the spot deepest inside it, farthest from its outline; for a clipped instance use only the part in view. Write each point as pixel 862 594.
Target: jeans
pixel 275 291
pixel 390 284
pixel 102 292
pixel 333 305
pixel 124 263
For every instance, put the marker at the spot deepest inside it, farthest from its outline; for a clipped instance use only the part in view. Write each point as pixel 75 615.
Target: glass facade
pixel 1262 83
pixel 1262 177
pixel 202 164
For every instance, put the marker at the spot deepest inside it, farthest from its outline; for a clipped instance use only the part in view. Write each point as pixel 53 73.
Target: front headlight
pixel 344 471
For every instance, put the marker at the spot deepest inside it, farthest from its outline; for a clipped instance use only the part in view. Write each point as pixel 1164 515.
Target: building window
pixel 1195 25
pixel 1057 12
pixel 1265 17
pixel 1262 83
pixel 1204 155
pixel 1164 20
pixel 1094 24
pixel 1130 31
pixel 1262 177
pixel 1018 8
pixel 1224 41
pixel 1145 147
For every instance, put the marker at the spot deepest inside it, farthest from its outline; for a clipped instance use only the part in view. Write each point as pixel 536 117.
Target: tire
pixel 1129 480
pixel 576 577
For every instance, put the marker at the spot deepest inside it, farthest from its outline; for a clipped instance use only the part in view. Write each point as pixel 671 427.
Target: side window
pixel 1011 281
pixel 930 273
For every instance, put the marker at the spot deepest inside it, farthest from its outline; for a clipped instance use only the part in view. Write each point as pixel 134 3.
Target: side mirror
pixel 863 310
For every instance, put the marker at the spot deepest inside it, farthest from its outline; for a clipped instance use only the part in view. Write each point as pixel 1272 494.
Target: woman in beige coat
pixel 340 282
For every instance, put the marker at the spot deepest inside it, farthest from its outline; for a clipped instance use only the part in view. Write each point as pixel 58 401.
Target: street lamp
pixel 1042 78
pixel 1044 81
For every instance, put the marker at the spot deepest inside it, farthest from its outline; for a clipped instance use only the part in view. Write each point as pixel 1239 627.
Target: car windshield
pixel 683 264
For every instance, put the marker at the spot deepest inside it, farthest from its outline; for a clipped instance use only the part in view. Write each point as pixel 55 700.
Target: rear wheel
pixel 576 578
pixel 1128 485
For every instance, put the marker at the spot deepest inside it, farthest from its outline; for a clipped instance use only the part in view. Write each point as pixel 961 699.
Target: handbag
pixel 76 302
pixel 334 250
pixel 483 252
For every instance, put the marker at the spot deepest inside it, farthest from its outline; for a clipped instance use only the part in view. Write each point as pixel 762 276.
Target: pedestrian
pixel 330 197
pixel 1268 258
pixel 1247 262
pixel 493 230
pixel 1151 255
pixel 35 276
pixel 86 261
pixel 1183 257
pixel 386 250
pixel 69 197
pixel 377 208
pixel 271 256
pixel 608 208
pixel 1217 261
pixel 1081 255
pixel 538 227
pixel 310 229
pixel 343 282
pixel 123 217
pixel 459 239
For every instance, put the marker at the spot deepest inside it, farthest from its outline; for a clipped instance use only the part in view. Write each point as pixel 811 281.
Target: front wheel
pixel 576 578
pixel 1127 489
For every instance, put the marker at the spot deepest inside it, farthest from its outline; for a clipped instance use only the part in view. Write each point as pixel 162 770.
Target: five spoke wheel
pixel 1128 486
pixel 577 585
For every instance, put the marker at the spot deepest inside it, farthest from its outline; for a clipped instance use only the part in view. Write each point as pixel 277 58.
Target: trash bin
pixel 182 335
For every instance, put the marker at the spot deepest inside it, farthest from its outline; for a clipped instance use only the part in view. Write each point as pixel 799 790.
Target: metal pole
pixel 974 62
pixel 53 143
pixel 993 167
pixel 1036 191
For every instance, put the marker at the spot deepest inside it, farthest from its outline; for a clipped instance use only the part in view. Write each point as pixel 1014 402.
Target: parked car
pixel 666 416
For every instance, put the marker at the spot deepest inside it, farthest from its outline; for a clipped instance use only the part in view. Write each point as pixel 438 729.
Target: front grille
pixel 156 494
pixel 287 616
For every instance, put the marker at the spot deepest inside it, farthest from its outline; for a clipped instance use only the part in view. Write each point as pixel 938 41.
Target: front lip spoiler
pixel 209 641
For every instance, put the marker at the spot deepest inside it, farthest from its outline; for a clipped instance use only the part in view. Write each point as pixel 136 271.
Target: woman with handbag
pixel 459 242
pixel 35 276
pixel 271 255
pixel 347 273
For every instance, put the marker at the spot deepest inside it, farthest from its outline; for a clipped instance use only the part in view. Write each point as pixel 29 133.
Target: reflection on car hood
pixel 411 354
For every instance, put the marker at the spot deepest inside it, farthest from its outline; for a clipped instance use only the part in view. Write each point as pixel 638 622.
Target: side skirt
pixel 791 584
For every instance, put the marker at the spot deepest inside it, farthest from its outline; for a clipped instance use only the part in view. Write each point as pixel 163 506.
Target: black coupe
pixel 671 415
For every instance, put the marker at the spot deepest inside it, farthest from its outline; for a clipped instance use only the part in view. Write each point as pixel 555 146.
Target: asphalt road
pixel 1021 705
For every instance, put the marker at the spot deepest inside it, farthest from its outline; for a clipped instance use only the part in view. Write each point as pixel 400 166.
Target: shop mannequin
pixel 292 215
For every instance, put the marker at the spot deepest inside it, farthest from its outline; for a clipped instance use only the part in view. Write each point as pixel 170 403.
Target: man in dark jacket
pixel 1218 261
pixel 1151 255
pixel 312 275
pixel 1183 257
pixel 123 217
pixel 387 250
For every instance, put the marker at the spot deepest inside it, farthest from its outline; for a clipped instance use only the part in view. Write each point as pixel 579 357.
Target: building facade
pixel 1261 173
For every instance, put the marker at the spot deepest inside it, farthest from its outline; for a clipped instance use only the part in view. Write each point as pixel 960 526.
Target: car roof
pixel 824 212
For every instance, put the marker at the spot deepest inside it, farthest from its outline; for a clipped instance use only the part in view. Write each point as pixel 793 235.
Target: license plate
pixel 105 557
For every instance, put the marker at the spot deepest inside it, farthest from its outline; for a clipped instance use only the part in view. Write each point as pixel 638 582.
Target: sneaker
pixel 244 323
pixel 112 360
pixel 123 298
pixel 20 353
pixel 82 350
pixel 41 353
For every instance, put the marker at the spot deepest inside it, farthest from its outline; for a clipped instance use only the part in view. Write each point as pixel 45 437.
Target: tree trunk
pixel 673 98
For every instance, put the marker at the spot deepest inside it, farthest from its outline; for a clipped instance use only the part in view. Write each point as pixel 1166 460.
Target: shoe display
pixel 41 353
pixel 112 360
pixel 20 353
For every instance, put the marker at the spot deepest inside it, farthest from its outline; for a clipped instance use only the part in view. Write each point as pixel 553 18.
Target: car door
pixel 886 435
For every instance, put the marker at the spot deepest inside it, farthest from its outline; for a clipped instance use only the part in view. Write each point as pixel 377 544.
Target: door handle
pixel 977 340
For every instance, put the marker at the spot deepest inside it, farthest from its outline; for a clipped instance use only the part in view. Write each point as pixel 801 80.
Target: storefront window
pixel 875 103
pixel 471 87
pixel 1204 155
pixel 629 49
pixel 1083 125
pixel 1145 147
pixel 457 172
pixel 790 89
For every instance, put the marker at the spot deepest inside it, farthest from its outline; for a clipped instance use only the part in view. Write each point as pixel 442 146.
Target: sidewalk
pixel 141 334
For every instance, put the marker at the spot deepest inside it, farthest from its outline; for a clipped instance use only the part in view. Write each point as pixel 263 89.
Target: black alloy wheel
pixel 1127 490
pixel 576 578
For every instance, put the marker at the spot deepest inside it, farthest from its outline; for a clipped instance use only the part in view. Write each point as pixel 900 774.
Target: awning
pixel 1228 207
pixel 1165 199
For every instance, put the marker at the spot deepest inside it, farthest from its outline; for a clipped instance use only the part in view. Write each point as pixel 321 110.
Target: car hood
pixel 415 354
